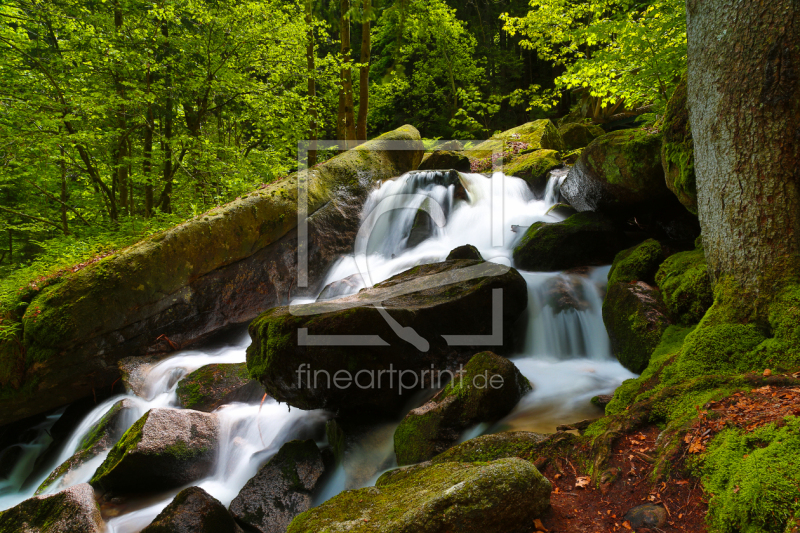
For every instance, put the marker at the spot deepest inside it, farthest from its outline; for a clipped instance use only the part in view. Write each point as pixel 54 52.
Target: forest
pixel 399 266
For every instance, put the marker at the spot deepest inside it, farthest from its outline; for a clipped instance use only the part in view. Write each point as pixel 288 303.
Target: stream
pixel 565 355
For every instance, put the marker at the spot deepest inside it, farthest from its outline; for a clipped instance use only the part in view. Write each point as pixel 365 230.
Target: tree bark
pixel 166 192
pixel 346 96
pixel 744 109
pixel 147 152
pixel 312 87
pixel 363 87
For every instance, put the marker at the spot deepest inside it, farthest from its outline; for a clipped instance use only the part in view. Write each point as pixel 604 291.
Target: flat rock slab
pixel 297 352
pixel 505 495
pixel 72 510
pixel 165 448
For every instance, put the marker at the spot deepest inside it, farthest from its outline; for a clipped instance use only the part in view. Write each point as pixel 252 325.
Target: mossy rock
pixel 165 448
pixel 68 511
pixel 561 211
pixel 686 286
pixel 214 385
pixel 523 444
pixel 635 317
pixel 193 510
pixel 619 170
pixel 503 495
pixel 445 159
pixel 565 292
pixel 466 251
pixel 639 263
pixel 583 239
pixel 487 389
pixel 282 489
pixel 101 437
pixel 163 285
pixel 579 134
pixel 677 150
pixel 538 135
pixel 534 168
pixel 450 298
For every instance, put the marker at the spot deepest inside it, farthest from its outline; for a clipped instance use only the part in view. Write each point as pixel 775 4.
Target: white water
pixel 565 355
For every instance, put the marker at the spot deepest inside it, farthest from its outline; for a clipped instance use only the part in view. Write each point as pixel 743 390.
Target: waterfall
pixel 414 219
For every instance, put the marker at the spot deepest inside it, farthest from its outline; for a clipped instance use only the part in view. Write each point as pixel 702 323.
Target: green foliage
pixel 614 49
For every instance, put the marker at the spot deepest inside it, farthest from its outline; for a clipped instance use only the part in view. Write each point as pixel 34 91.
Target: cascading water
pixel 564 350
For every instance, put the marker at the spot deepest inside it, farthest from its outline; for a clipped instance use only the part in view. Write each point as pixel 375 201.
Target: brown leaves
pixel 582 482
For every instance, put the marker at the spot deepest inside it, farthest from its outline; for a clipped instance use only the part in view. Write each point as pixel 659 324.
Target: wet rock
pixel 582 239
pixel 601 400
pixel 565 292
pixel 134 371
pixel 579 134
pixel 422 228
pixel 502 495
pixel 617 171
pixel 336 289
pixel 465 252
pixel 677 150
pixel 419 306
pixel 635 317
pixel 69 511
pixel 210 386
pixel 362 446
pixel 648 515
pixel 487 389
pixel 561 211
pixel 445 159
pixel 221 268
pixel 193 510
pixel 638 263
pixel 538 135
pixel 686 286
pixel 281 490
pixel 534 168
pixel 165 448
pixel 100 438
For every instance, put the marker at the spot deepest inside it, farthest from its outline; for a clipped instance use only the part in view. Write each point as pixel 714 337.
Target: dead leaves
pixel 582 482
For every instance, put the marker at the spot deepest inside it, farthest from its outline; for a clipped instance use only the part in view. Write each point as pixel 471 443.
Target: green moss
pixel 533 167
pixel 128 442
pixel 686 286
pixel 522 444
pixel 638 263
pixel 753 478
pixel 677 151
pixel 628 158
pixel 578 135
pixel 208 387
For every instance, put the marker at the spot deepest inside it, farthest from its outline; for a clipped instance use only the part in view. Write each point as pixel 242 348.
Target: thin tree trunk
pixel 120 170
pixel 147 153
pixel 63 165
pixel 363 86
pixel 10 246
pixel 166 192
pixel 744 110
pixel 346 105
pixel 312 86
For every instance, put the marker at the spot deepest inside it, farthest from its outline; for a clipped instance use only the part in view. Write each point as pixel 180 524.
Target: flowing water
pixel 564 349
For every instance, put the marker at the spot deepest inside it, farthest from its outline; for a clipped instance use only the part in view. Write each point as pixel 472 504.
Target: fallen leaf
pixel 538 525
pixel 626 524
pixel 582 482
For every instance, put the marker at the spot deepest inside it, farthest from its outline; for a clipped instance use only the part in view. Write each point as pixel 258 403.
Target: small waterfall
pixel 564 351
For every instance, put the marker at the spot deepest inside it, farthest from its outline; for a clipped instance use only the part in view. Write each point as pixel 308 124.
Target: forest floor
pixel 578 507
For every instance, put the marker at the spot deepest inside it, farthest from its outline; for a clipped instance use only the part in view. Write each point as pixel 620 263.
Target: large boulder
pixel 281 490
pixel 179 286
pixel 444 159
pixel 193 510
pixel 638 263
pixel 534 168
pixel 100 438
pixel 635 317
pixel 487 389
pixel 165 448
pixel 616 172
pixel 579 134
pixel 504 495
pixel 537 135
pixel 69 511
pixel 293 354
pixel 213 385
pixel 686 286
pixel 677 150
pixel 581 240
pixel 506 444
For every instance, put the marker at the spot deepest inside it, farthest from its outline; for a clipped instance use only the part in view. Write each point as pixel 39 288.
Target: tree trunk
pixel 63 164
pixel 166 192
pixel 147 153
pixel 744 109
pixel 312 87
pixel 346 96
pixel 363 97
pixel 121 167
